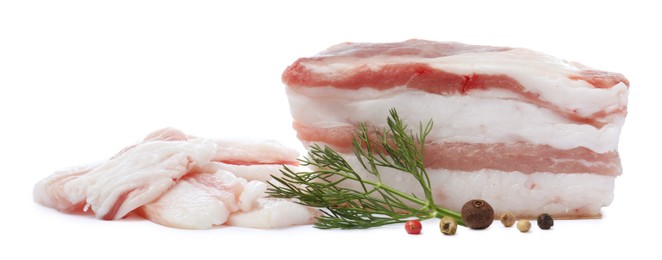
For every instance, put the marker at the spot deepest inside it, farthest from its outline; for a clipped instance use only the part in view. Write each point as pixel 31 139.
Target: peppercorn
pixel 508 219
pixel 448 226
pixel 477 214
pixel 413 227
pixel 545 221
pixel 523 225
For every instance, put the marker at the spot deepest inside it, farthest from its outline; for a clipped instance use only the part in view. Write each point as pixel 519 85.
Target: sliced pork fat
pixel 176 180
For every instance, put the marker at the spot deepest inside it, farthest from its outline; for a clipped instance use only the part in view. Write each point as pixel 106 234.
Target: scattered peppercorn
pixel 545 221
pixel 477 214
pixel 523 225
pixel 413 227
pixel 448 226
pixel 508 219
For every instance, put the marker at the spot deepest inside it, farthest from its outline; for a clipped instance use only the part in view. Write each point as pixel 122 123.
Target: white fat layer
pixel 491 116
pixel 267 151
pixel 258 172
pixel 252 191
pixel 538 73
pixel 188 205
pixel 576 194
pixel 145 172
pixel 273 213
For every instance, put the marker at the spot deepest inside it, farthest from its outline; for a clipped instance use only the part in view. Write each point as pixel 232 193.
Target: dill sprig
pixel 373 203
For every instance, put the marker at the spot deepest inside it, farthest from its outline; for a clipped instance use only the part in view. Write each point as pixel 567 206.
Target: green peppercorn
pixel 477 214
pixel 448 226
pixel 545 221
pixel 523 225
pixel 508 219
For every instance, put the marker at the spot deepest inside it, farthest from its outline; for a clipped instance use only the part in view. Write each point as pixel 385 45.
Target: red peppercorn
pixel 413 227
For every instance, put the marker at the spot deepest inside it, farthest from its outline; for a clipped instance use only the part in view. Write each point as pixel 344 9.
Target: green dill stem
pixel 376 203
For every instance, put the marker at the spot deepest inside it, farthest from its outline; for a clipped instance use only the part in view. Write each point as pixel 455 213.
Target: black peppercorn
pixel 477 214
pixel 545 221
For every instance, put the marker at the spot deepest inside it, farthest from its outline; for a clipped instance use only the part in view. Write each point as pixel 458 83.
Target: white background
pixel 79 80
